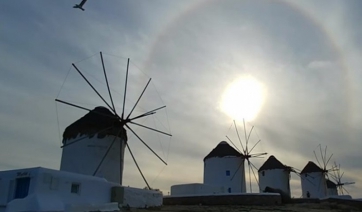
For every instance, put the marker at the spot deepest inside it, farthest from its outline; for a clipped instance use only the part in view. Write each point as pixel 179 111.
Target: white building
pixel 224 166
pixel 313 180
pixel 275 175
pixel 100 127
pixel 41 189
pixel 90 177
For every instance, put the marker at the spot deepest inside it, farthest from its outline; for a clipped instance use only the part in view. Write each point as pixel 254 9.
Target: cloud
pixel 304 54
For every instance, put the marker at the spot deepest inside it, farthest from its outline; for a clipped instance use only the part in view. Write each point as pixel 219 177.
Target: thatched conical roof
pixel 100 121
pixel 223 149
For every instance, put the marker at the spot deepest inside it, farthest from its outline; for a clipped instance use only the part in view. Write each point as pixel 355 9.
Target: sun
pixel 243 98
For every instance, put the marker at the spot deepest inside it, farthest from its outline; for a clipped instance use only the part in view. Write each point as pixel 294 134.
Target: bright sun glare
pixel 243 98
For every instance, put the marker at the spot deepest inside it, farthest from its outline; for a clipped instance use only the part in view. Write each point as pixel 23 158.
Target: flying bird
pixel 80 6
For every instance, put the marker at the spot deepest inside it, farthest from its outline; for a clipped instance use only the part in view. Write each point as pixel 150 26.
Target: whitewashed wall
pixel 315 183
pixel 194 189
pixel 275 178
pixel 50 190
pixel 84 156
pixel 215 173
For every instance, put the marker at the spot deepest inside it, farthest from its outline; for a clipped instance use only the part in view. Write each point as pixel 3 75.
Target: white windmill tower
pixel 337 176
pixel 313 177
pixel 247 154
pixel 275 175
pixel 95 144
pixel 220 164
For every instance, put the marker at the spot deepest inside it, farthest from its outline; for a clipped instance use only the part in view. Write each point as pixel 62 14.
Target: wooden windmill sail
pixel 337 176
pixel 95 144
pixel 247 153
pixel 313 176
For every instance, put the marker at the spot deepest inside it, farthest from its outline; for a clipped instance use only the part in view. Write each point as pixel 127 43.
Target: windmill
pixel 247 153
pixel 94 145
pixel 313 177
pixel 337 176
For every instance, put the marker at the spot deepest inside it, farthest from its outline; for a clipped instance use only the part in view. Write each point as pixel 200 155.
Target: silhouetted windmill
pixel 314 177
pixel 247 153
pixel 106 120
pixel 337 176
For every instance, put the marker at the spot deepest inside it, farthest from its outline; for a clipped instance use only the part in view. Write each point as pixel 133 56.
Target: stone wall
pixel 242 199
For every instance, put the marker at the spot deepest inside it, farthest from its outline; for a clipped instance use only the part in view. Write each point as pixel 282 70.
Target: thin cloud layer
pixel 305 54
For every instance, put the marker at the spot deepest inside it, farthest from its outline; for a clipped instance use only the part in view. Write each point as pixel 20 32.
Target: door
pixel 22 187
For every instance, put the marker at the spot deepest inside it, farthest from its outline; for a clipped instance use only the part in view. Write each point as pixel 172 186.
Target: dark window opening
pixel 263 173
pixel 75 188
pixel 229 190
pixel 227 172
pixel 22 187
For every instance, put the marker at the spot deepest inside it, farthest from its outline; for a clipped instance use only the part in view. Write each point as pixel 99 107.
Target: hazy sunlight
pixel 243 98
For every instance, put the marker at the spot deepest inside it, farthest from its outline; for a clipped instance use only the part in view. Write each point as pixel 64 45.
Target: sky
pixel 304 56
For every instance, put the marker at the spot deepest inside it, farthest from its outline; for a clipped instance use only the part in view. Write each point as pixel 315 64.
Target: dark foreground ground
pixel 309 207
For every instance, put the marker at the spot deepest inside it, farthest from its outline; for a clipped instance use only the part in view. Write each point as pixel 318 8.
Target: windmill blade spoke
pixel 349 183
pixel 258 154
pixel 329 159
pixel 138 167
pixel 319 184
pixel 147 113
pixel 125 90
pixel 320 149
pixel 105 76
pixel 334 177
pixel 325 155
pixel 141 116
pixel 298 170
pixel 233 144
pixel 150 128
pixel 139 98
pixel 83 108
pixel 251 190
pixel 250 133
pixel 254 146
pixel 341 175
pixel 317 158
pixel 308 179
pixel 146 144
pixel 252 169
pixel 94 89
pixel 237 132
pixel 74 105
pixel 79 139
pixel 105 154
pixel 344 190
pixel 241 163
pixel 246 143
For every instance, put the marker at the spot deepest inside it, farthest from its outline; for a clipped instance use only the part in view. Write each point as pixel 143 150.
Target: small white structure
pixel 275 175
pixel 88 156
pixel 224 167
pixel 313 180
pixel 41 189
pixel 331 188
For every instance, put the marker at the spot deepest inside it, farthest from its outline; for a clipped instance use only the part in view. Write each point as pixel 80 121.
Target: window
pixel 263 173
pixel 227 172
pixel 22 187
pixel 229 190
pixel 75 188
